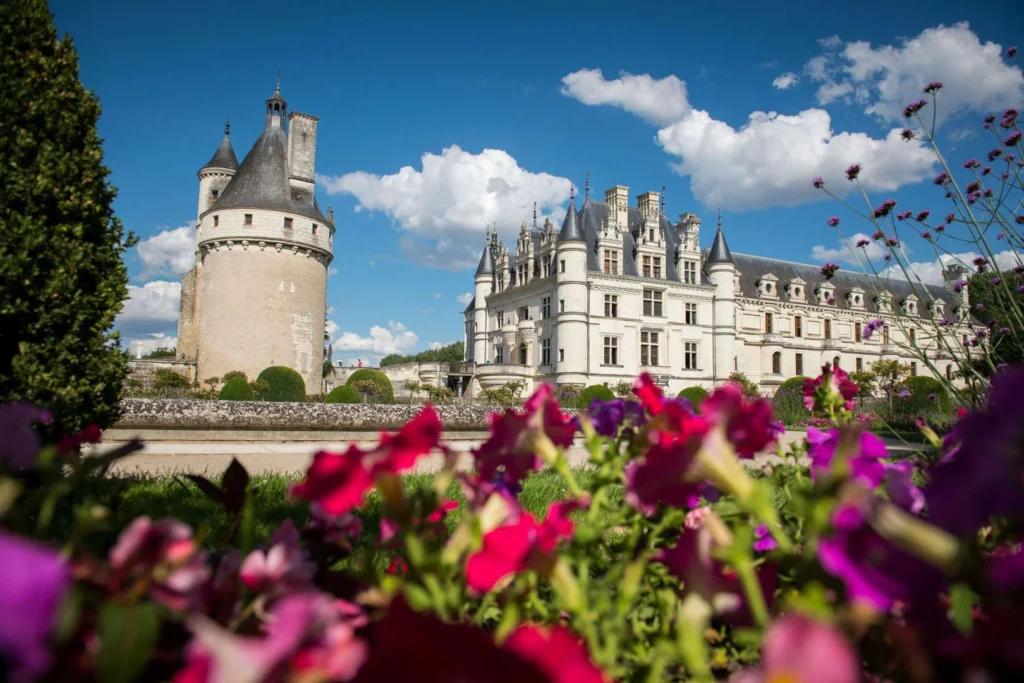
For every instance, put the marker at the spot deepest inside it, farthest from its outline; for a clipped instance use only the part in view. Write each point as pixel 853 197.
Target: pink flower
pixel 695 518
pixel 972 163
pixel 852 172
pixel 922 216
pixel 914 107
pixel 1012 139
pixel 818 183
pixel 828 270
pixel 994 153
pixel 933 87
pixel 1011 52
pixel 863 243
pixel 941 179
pixel 904 215
pixel 557 651
pixel 885 209
pixel 748 423
pixel 90 434
pixel 339 481
pixel 516 547
pixel 515 436
pixel 763 541
pixel 864 461
pixel 284 567
pixel 833 386
pixel 144 545
pixel 799 649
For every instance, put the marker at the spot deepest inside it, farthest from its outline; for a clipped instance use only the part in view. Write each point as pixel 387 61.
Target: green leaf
pixel 961 608
pixel 247 529
pixel 127 636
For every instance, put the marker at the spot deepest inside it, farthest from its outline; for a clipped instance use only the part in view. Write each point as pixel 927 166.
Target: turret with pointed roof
pixel 486 266
pixel 224 157
pixel 719 249
pixel 571 230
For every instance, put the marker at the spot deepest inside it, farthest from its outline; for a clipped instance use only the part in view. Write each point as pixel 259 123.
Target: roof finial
pixel 330 213
pixel 227 127
pixel 662 207
pixel 278 88
pixel 572 192
pixel 719 219
pixel 587 187
pixel 535 215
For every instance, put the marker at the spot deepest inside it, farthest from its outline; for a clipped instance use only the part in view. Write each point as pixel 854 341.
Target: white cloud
pixel 445 207
pixel 786 81
pixel 659 101
pixel 434 346
pixel 395 338
pixel 437 295
pixel 332 271
pixel 141 346
pixel 154 302
pixel 961 134
pixel 830 43
pixel 464 299
pixel 849 253
pixel 170 252
pixel 887 78
pixel 332 329
pixel 930 272
pixel 772 159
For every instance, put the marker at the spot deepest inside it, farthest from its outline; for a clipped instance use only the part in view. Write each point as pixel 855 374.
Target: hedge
pixel 588 395
pixel 343 394
pixel 695 395
pixel 236 389
pixel 797 382
pixel 788 403
pixel 918 404
pixel 386 394
pixel 283 385
pixel 169 379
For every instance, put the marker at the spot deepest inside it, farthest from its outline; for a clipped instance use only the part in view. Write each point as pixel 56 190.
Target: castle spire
pixel 661 209
pixel 586 197
pixel 535 215
pixel 719 249
pixel 227 127
pixel 276 106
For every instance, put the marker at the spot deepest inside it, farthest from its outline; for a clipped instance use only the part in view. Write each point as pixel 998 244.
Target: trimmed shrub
pixel 797 382
pixel 228 376
pixel 385 393
pixel 236 389
pixel 283 385
pixel 588 395
pixel 169 379
pixel 788 404
pixel 343 394
pixel 749 388
pixel 568 394
pixel 695 395
pixel 928 398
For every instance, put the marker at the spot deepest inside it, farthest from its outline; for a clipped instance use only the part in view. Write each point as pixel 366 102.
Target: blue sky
pixel 394 82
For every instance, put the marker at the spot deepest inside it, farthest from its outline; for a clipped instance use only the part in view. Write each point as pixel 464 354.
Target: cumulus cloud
pixel 772 159
pixel 139 347
pixel 930 272
pixel 656 100
pixel 332 329
pixel 849 253
pixel 886 78
pixel 151 308
pixel 395 338
pixel 464 299
pixel 170 252
pixel 786 81
pixel 445 207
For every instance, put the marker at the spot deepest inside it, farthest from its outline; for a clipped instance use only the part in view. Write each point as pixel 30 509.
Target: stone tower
pixel 571 291
pixel 483 284
pixel 721 271
pixel 258 292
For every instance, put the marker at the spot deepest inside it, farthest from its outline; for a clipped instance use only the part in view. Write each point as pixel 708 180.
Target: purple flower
pixel 987 192
pixel 893 242
pixel 852 172
pixel 797 648
pixel 885 209
pixel 20 442
pixel 777 429
pixel 950 217
pixel 1000 236
pixel 986 170
pixel 972 163
pixel 871 326
pixel 927 235
pixel 941 227
pixel 942 179
pixel 1011 51
pixel 994 153
pixel 981 476
pixel 608 416
pixel 865 465
pixel 990 118
pixel 833 221
pixel 1009 118
pixel 945 322
pixel 829 270
pixel 904 215
pixel 899 484
pixel 34 580
pixel 923 216
pixel 878 235
pixel 1012 139
pixel 973 186
pixel 973 197
pixel 903 393
pixel 763 541
pixel 887 257
pixel 979 306
pixel 996 280
pixel 907 134
pixel 1004 330
pixel 980 263
pixel 913 108
pixel 933 87
pixel 863 243
pixel 818 183
pixel 959 285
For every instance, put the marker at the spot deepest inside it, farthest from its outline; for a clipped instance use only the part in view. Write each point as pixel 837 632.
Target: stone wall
pixel 144 370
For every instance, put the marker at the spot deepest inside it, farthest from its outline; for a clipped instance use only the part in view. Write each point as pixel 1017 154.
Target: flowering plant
pixel 685 555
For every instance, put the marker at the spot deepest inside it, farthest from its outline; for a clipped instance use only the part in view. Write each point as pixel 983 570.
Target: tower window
pixel 561 266
pixel 288 223
pixel 248 219
pixel 215 193
pixel 216 221
pixel 856 332
pixel 690 273
pixel 835 363
pixel 777 363
pixel 799 364
pixel 611 351
pixel 315 226
pixel 768 323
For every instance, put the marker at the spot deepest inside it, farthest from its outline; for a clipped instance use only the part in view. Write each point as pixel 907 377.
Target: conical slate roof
pixel 571 230
pixel 719 249
pixel 486 266
pixel 224 157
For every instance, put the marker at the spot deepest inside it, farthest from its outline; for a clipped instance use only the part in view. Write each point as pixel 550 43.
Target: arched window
pixel 777 363
pixel 835 362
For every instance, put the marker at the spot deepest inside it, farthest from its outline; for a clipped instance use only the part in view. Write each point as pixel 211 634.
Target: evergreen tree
pixel 62 277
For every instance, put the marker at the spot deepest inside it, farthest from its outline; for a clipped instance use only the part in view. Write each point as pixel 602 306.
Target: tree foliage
pixel 165 378
pixel 748 386
pixel 995 302
pixel 592 392
pixel 162 352
pixel 62 277
pixel 385 393
pixel 452 353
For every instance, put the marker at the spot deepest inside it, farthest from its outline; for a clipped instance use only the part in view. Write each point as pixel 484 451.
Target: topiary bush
pixel 385 393
pixel 228 376
pixel 928 398
pixel 695 395
pixel 788 403
pixel 343 394
pixel 797 382
pixel 236 389
pixel 588 395
pixel 283 385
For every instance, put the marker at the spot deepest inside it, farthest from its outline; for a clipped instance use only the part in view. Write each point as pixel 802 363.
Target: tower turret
pixel 215 173
pixel 571 289
pixel 484 285
pixel 721 271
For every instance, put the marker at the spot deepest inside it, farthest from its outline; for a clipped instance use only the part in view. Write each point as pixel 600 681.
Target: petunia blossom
pixel 832 387
pixel 608 417
pixel 763 541
pixel 864 459
pixel 557 651
pixel 284 566
pixel 799 649
pixel 748 423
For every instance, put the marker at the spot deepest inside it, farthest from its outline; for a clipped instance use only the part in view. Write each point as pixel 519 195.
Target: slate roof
pixel 224 157
pixel 486 266
pixel 719 249
pixel 571 231
pixel 752 268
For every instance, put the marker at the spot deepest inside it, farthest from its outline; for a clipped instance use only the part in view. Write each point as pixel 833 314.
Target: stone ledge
pixel 186 414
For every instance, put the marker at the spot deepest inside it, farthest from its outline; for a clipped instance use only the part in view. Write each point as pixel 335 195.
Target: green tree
pixel 161 353
pixel 623 389
pixel 890 375
pixel 1001 303
pixel 748 387
pixel 62 277
pixel 452 353
pixel 866 380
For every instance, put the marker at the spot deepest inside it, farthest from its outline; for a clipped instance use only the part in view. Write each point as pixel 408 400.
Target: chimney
pixel 951 275
pixel 617 199
pixel 648 203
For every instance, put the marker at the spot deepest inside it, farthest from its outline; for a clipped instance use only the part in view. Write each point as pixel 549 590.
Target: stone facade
pixel 257 295
pixel 622 290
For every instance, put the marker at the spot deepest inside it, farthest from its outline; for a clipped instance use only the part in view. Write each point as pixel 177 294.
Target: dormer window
pixel 824 294
pixel 796 289
pixel 611 262
pixel 855 298
pixel 768 286
pixel 909 305
pixel 883 302
pixel 937 308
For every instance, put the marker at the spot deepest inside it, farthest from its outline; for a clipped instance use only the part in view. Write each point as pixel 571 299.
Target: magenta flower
pixel 990 118
pixel 996 281
pixel 941 227
pixel 973 197
pixel 950 217
pixel 907 134
pixel 867 564
pixel 973 186
pixel 658 477
pixel 959 285
pixel 981 475
pixel 923 216
pixel 903 393
pixel 828 270
pixel 927 235
pixel 21 441
pixel 1012 139
pixel 879 235
pixel 972 163
pixel 871 326
pixel 763 541
pixel 818 183
pixel 833 386
pixel 886 207
pixel 904 215
pixel 980 263
pixel 986 170
pixel 941 179
pixel 34 580
pixel 799 649
pixel 1009 118
pixel 833 221
pixel 865 464
pixel 899 484
pixel 863 243
pixel 557 651
pixel 933 87
pixel 852 172
pixel 893 242
pixel 1004 330
pixel 987 192
pixel 748 423
pixel 1011 52
pixel 283 568
pixel 608 417
pixel 994 153
pixel 913 108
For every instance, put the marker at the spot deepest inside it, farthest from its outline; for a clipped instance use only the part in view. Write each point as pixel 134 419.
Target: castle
pixel 257 295
pixel 621 290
